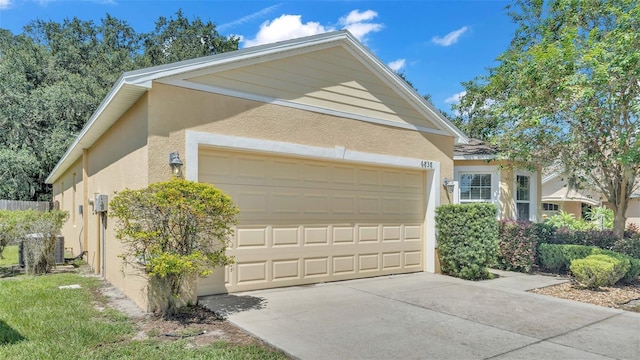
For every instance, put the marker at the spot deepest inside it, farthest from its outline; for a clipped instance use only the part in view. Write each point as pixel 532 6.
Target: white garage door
pixel 305 221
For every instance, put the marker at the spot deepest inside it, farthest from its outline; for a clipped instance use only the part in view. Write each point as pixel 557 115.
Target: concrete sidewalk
pixel 428 316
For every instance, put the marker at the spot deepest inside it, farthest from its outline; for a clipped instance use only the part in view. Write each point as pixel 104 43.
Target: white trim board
pixel 195 139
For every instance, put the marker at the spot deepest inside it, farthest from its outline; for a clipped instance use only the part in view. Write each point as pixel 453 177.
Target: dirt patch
pixel 196 324
pixel 625 297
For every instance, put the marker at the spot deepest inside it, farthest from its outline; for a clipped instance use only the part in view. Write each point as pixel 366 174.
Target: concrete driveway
pixel 428 316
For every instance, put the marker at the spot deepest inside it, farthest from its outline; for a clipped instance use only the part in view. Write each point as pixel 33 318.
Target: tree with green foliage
pixel 179 39
pixel 567 90
pixel 54 75
pixel 173 231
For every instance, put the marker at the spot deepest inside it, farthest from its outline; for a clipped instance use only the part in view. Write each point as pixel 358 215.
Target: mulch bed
pixel 626 297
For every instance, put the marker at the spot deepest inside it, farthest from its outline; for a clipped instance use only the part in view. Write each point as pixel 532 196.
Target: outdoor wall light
pixel 449 185
pixel 175 163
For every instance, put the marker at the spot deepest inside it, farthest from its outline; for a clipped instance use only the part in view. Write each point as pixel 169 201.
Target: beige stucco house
pixel 480 176
pixel 558 196
pixel 335 163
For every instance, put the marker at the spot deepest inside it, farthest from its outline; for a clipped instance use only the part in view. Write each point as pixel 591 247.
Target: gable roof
pixel 132 85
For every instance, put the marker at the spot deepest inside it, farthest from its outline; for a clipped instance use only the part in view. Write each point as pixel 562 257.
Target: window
pixel 475 188
pixel 523 197
pixel 550 207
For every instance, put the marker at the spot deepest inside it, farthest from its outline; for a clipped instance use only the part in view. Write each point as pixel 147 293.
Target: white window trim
pixel 493 170
pixel 533 193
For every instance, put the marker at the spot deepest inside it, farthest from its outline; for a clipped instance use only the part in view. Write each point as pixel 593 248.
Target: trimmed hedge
pixel 557 257
pixel 632 272
pixel 518 242
pixel 604 239
pixel 467 239
pixel 599 270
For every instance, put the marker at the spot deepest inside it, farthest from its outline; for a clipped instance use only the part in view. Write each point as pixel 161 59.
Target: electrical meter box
pixel 101 203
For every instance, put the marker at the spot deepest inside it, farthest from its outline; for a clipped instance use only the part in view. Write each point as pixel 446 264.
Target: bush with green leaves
pixel 467 239
pixel 599 218
pixel 598 270
pixel 632 273
pixel 557 258
pixel 37 231
pixel 518 242
pixel 628 245
pixel 174 231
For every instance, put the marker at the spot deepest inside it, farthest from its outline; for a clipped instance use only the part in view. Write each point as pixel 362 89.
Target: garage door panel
pixel 391 233
pixel 368 262
pixel 316 267
pixel 305 221
pixel 251 272
pixel 251 238
pixel 285 237
pixel 316 236
pixel 343 235
pixel 392 260
pixel 287 269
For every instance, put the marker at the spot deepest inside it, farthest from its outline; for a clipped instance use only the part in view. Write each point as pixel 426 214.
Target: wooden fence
pixel 25 205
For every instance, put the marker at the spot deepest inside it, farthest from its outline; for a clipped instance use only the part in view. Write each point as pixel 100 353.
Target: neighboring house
pixel 480 177
pixel 558 196
pixel 335 163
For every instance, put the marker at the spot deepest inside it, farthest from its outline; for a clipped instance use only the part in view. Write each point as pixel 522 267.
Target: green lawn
pixel 9 256
pixel 40 321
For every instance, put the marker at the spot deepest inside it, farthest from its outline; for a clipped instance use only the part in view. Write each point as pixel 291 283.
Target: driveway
pixel 429 316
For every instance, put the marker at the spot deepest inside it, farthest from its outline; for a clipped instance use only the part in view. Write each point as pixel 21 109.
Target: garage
pixel 304 220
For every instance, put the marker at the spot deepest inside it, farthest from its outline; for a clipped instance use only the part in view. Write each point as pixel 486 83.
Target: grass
pixel 40 321
pixel 9 256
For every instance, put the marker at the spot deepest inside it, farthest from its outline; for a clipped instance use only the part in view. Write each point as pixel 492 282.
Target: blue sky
pixel 436 44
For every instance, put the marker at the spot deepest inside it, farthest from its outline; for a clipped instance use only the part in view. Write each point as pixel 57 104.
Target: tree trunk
pixel 619 221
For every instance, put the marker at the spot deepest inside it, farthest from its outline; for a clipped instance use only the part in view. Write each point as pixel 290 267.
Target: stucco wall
pixel 174 109
pixel 68 193
pixel 117 161
pixel 633 212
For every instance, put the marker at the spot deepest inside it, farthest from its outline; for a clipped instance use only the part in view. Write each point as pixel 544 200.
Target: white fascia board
pixel 566 199
pixel 84 140
pixel 291 104
pixel 236 58
pixel 550 177
pixel 194 139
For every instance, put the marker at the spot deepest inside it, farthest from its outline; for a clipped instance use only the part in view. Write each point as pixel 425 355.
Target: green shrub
pixel 595 271
pixel 174 231
pixel 467 239
pixel 604 239
pixel 557 258
pixel 517 243
pixel 598 218
pixel 628 246
pixel 632 273
pixel 545 232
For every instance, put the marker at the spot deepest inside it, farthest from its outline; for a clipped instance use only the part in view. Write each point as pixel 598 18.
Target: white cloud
pixel 256 15
pixel 284 28
pixel 451 38
pixel 397 65
pixel 455 98
pixel 291 26
pixel 355 16
pixel 4 4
